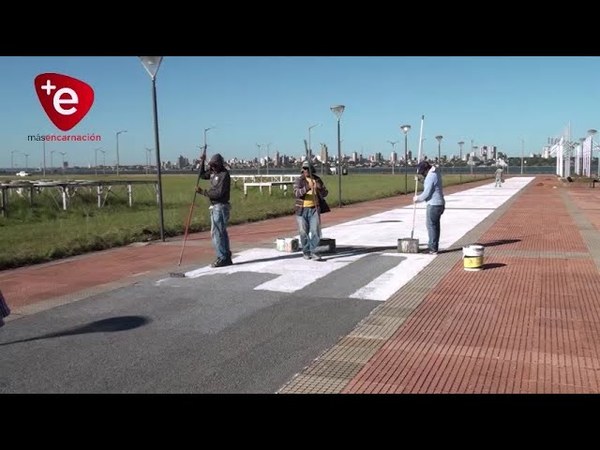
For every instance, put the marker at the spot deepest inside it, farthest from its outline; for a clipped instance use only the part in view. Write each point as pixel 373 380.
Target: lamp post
pixel 44 151
pixel 439 139
pixel 12 161
pixel 394 154
pixel 579 156
pixel 148 159
pixel 118 133
pixel 96 160
pixel 268 147
pixel 475 147
pixel 338 110
pixel 103 161
pixel 152 64
pixel 258 165
pixel 522 154
pixel 309 154
pixel 52 152
pixel 405 129
pixel 26 161
pixel 63 160
pixel 591 133
pixel 460 146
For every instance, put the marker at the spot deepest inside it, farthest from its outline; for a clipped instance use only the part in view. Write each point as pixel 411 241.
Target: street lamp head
pixel 592 132
pixel 338 110
pixel 461 143
pixel 439 138
pixel 151 64
pixel 312 126
pixel 405 128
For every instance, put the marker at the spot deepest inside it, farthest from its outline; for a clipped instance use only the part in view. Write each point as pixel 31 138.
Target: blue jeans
pixel 219 218
pixel 434 215
pixel 309 222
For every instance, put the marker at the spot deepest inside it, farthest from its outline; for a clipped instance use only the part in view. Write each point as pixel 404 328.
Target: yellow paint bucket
pixel 473 257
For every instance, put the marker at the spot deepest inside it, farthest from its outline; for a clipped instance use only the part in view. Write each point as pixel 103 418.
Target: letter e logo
pixel 65 99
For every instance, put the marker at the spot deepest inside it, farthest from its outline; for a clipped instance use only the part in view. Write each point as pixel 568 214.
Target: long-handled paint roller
pixel 189 218
pixel 412 231
pixel 411 245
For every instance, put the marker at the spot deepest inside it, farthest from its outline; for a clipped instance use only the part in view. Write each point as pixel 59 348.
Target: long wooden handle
pixel 187 227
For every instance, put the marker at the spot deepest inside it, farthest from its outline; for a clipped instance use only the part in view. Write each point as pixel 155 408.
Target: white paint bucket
pixel 473 257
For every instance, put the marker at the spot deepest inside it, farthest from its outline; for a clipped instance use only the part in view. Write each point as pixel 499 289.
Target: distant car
pixel 22 173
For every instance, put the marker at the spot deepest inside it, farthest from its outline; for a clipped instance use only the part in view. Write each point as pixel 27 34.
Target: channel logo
pixel 66 100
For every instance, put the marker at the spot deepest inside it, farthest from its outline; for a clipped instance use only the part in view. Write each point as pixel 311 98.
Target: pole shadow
pixel 350 250
pixel 484 244
pixel 493 266
pixel 110 325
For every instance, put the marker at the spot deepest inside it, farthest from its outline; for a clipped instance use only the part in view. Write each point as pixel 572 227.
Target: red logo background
pixel 66 100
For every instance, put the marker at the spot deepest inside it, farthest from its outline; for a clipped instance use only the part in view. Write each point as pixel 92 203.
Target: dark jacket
pixel 301 188
pixel 220 180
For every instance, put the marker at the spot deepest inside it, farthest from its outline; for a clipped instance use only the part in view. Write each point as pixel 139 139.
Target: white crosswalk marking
pixel 464 210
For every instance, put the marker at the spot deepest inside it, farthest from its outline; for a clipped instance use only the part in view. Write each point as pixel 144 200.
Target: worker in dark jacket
pixel 218 193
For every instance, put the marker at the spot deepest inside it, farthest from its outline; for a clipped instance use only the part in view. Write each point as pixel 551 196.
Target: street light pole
pixel 522 154
pixel 44 150
pixel 148 160
pixel 63 160
pixel 103 161
pixel 152 64
pixel 591 133
pixel 258 165
pixel 96 160
pixel 394 154
pixel 309 150
pixel 460 145
pixel 26 161
pixel 118 133
pixel 268 148
pixel 405 129
pixel 338 110
pixel 439 139
pixel 12 162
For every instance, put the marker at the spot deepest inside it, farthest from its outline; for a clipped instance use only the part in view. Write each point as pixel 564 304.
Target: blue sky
pixel 260 100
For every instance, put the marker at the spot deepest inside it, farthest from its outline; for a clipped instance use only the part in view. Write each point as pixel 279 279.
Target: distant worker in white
pixel 499 177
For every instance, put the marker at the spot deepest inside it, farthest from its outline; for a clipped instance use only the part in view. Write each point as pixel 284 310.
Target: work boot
pixel 222 263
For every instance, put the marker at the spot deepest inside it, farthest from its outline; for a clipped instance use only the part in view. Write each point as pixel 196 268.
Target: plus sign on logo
pixel 65 99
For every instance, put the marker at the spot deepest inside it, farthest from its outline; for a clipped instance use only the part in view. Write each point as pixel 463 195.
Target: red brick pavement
pixel 530 324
